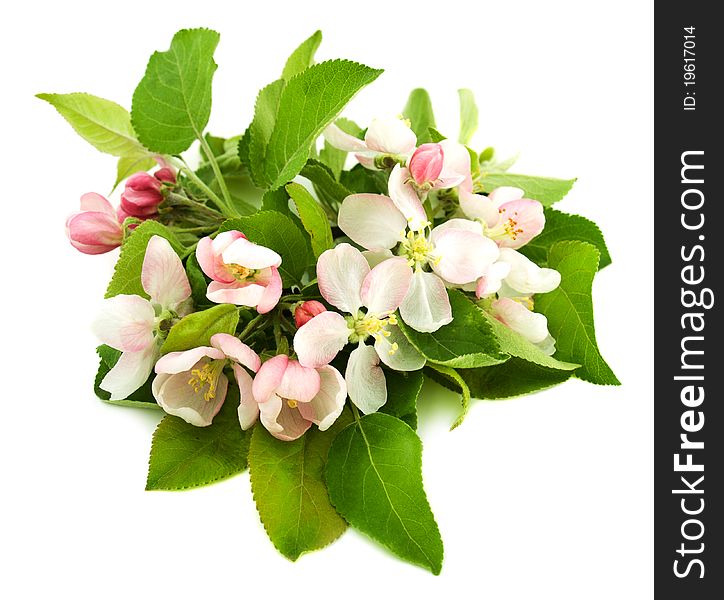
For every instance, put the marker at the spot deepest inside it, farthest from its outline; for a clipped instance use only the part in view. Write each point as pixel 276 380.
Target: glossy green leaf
pixel 196 329
pixel 419 110
pixel 516 377
pixel 303 57
pixel 313 218
pixel 403 390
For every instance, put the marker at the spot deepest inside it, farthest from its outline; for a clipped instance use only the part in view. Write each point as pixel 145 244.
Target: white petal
pixel 372 221
pixel 491 281
pixel 163 276
pixel 328 404
pixel 178 362
pixel 129 373
pixel 386 286
pixel 252 256
pixel 525 276
pixel 248 407
pixel 478 206
pixel 401 357
pixel 174 394
pixel 343 141
pixel 463 256
pixel 321 338
pixel 126 322
pixel 390 135
pixel 340 273
pixel 505 194
pixel 236 350
pixel 406 199
pixel 366 384
pixel 426 307
pixel 532 326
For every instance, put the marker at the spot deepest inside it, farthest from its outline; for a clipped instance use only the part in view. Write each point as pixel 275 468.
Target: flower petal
pixel 385 287
pixel 456 164
pixel 272 292
pixel 298 383
pixel 492 280
pixel 372 221
pixel 96 203
pixel 343 141
pixel 366 384
pixel 505 193
pixel 269 377
pixel 283 421
pixel 252 256
pixel 525 276
pixel 178 362
pixel 340 273
pixel 532 326
pixel 126 322
pixel 397 352
pixel 525 220
pixel 477 206
pixel 321 338
pixel 463 255
pixel 426 307
pixel 174 394
pixel 390 135
pixel 163 276
pixel 406 199
pixel 236 350
pixel 375 257
pixel 248 408
pixel 328 404
pixel 241 294
pixel 129 373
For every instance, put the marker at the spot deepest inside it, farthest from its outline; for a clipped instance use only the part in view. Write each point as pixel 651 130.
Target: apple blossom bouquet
pixel 283 295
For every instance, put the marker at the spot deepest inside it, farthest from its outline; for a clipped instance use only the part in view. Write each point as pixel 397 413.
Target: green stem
pixel 354 411
pixel 225 210
pixel 217 172
pixel 250 327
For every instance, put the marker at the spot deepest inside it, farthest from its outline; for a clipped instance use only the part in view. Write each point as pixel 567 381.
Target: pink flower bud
pixel 166 174
pixel 96 228
pixel 142 195
pixel 306 311
pixel 426 163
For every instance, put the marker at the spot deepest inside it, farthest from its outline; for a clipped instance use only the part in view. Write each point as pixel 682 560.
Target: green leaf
pixel 303 57
pixel 374 475
pixel 468 116
pixel 184 456
pixel 331 192
pixel 435 135
pixel 403 389
pixel 278 232
pixel 516 377
pixel 260 130
pixel 127 274
pixel 359 180
pixel 128 165
pixel 313 218
pixel 141 398
pixel 419 110
pixel 287 480
pixel 102 123
pixel 452 376
pixel 333 157
pixel 196 329
pixel 560 227
pixel 546 190
pixel 467 342
pixel 197 280
pixel 310 102
pixel 569 310
pixel 516 345
pixel 172 103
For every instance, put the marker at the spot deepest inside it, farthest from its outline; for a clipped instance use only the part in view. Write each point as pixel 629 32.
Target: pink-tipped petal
pixel 372 221
pixel 306 311
pixel 177 397
pixel 209 255
pixel 390 135
pixel 163 276
pixel 340 273
pixel 283 421
pixel 405 198
pixel 94 232
pixel 236 350
pixel 272 292
pixel 365 379
pixel 328 404
pixel 492 280
pixel 463 255
pixel 343 141
pixel 385 287
pixel 241 294
pixel 523 220
pixel 319 341
pixel 269 377
pixel 247 254
pixel 477 206
pixel 129 373
pixel 178 362
pixel 93 202
pixel 426 307
pixel 426 163
pixel 248 408
pixel 126 323
pixel 532 326
pixel 298 383
pixel 456 164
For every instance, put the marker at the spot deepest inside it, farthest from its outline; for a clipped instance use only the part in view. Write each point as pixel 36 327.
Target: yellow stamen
pixel 292 403
pixel 207 377
pixel 239 272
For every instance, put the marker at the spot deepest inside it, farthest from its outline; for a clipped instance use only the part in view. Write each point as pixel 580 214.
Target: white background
pixel 549 496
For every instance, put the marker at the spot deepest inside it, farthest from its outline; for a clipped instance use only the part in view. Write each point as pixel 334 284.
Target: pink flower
pixel 426 164
pixel 307 310
pixel 191 384
pixel 290 397
pixel 243 273
pixel 131 324
pixel 166 174
pixel 143 194
pixel 96 229
pixel 370 298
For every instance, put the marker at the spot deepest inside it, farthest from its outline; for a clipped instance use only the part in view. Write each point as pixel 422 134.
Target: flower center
pixel 291 403
pixel 417 249
pixel 207 377
pixel 372 326
pixel 507 228
pixel 239 272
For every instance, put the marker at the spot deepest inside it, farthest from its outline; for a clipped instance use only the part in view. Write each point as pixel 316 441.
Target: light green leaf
pixel 419 110
pixel 313 218
pixel 516 377
pixel 374 475
pixel 172 103
pixel 278 232
pixel 141 398
pixel 310 102
pixel 333 157
pixel 127 274
pixel 561 227
pixel 287 480
pixel 260 130
pixel 451 375
pixel 196 329
pixel 467 342
pixel 128 165
pixel 331 192
pixel 516 345
pixel 546 190
pixel 569 310
pixel 184 456
pixel 403 389
pixel 303 57
pixel 102 123
pixel 468 116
